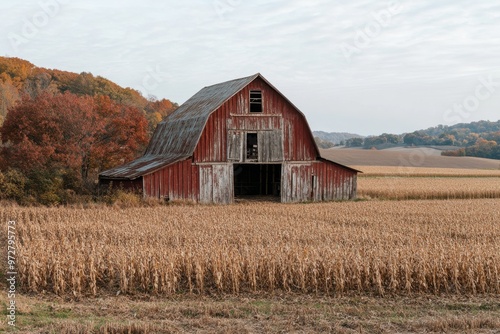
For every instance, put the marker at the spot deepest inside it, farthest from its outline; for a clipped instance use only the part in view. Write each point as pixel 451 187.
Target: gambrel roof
pixel 179 133
pixel 176 137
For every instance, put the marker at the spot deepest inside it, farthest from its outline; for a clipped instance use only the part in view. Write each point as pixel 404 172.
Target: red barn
pixel 237 138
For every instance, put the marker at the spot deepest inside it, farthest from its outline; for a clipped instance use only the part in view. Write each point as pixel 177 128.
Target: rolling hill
pixel 20 78
pixel 335 137
pixel 406 157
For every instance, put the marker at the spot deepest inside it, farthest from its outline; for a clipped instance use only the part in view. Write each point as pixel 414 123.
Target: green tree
pixel 354 142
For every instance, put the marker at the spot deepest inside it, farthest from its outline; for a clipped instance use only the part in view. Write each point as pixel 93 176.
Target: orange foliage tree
pixel 71 135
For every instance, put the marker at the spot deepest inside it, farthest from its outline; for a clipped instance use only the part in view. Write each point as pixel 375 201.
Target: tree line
pixel 478 139
pixel 59 130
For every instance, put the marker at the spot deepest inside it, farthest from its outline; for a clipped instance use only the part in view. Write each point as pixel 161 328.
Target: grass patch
pixel 248 313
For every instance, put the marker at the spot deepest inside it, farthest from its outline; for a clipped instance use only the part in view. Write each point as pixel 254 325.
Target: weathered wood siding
pixel 270 145
pixel 179 181
pixel 316 181
pixel 206 184
pixel 216 184
pixel 295 183
pixel 235 145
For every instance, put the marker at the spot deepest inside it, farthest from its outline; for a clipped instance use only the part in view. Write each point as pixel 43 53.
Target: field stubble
pixel 403 188
pixel 403 183
pixel 372 247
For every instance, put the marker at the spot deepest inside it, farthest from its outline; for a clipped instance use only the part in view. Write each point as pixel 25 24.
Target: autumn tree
pixel 8 98
pixel 73 137
pixel 483 148
pixel 156 111
pixel 38 84
pixel 19 77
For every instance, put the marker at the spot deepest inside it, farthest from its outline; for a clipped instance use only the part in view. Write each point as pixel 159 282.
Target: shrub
pixel 122 198
pixel 46 187
pixel 12 185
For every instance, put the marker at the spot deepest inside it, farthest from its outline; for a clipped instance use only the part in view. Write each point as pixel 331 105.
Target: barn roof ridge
pixel 253 76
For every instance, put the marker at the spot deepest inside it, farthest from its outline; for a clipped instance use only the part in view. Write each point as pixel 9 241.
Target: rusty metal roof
pixel 180 131
pixel 144 165
pixel 322 158
pixel 176 137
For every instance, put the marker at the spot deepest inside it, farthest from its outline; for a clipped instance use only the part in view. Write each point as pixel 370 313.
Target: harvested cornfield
pixel 408 171
pixel 371 247
pixel 403 188
pixel 416 157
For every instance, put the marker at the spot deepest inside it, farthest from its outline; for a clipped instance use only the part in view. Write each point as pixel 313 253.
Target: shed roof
pixel 141 166
pixel 176 137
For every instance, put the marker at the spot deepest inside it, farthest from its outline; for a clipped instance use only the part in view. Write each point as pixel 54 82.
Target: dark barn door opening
pixel 257 180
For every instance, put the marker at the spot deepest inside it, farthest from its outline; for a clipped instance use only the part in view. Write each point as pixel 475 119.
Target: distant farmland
pixel 407 157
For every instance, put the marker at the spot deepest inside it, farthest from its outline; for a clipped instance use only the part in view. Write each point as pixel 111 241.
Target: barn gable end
pixel 241 137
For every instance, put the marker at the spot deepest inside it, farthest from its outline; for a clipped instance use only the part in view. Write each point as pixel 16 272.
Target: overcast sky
pixel 360 66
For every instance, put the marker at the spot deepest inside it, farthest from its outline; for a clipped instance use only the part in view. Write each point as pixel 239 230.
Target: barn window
pixel 255 101
pixel 252 147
